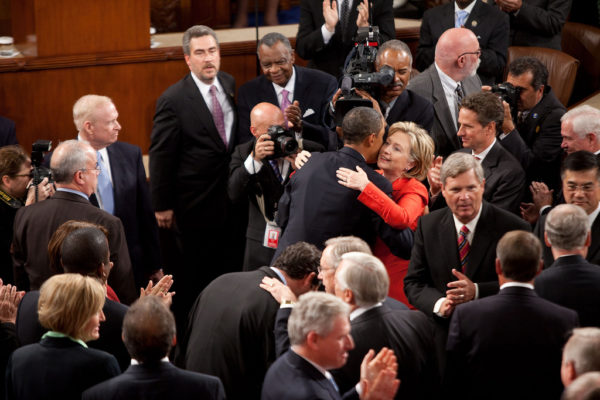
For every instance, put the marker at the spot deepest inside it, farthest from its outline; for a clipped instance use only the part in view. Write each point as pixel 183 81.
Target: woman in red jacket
pixel 404 160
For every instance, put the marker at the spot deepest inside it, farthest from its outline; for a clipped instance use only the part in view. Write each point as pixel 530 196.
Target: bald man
pixel 254 177
pixel 447 81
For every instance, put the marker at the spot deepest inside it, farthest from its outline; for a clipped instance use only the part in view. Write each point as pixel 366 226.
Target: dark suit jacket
pixel 157 381
pixel 188 159
pixel 508 346
pixel 314 207
pixel 539 23
pixel 293 378
pixel 330 57
pixel 574 283
pixel 593 255
pixel 536 142
pixel 410 334
pixel 429 86
pixel 487 22
pixel 56 368
pixel 30 331
pixel 435 253
pixel 409 106
pixel 313 90
pixel 134 209
pixel 35 224
pixel 7 132
pixel 230 332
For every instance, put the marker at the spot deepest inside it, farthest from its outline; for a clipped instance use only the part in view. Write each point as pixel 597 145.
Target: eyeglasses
pixel 478 52
pixel 29 175
pixel 587 187
pixel 320 269
pixel 97 169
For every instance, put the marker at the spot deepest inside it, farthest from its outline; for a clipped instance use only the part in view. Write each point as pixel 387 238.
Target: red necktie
pixel 463 247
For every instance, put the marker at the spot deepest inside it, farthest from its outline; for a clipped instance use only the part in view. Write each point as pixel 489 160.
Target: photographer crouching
pixel 17 189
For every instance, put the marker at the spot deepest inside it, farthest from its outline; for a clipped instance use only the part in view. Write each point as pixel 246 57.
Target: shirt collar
pixel 593 215
pixel 289 86
pixel 280 275
pixel 468 8
pixel 448 83
pixel 317 366
pixel 470 225
pixel 136 362
pixel 55 334
pixel 361 310
pixel 74 192
pixel 485 152
pixel 205 88
pixel 517 284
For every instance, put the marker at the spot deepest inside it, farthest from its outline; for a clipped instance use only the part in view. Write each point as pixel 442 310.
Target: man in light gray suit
pixel 447 81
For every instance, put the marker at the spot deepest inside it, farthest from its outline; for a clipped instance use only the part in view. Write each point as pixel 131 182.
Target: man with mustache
pixel 446 82
pixel 397 103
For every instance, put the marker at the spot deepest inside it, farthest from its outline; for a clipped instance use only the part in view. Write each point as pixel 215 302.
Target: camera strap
pixel 9 200
pixel 272 231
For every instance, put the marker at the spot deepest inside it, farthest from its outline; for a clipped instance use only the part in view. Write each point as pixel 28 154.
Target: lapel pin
pixel 473 24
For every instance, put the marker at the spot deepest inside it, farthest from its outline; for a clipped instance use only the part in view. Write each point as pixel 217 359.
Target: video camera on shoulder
pixel 39 148
pixel 285 142
pixel 360 73
pixel 510 94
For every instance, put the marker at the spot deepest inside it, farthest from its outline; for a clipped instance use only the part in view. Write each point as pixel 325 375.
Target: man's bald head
pixel 264 115
pixel 450 53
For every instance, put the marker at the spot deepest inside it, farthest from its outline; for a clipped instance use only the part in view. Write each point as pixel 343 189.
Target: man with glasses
pixel 487 22
pixel 446 82
pixel 581 187
pixel 75 169
pixel 303 94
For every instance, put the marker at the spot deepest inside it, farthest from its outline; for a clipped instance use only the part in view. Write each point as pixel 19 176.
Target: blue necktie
pixel 276 170
pixel 105 189
pixel 337 389
pixel 461 18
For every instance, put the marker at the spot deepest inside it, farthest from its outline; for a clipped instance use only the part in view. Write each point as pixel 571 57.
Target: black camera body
pixel 39 172
pixel 360 73
pixel 285 142
pixel 510 94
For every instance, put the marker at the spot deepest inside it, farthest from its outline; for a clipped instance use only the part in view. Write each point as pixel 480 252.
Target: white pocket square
pixel 308 113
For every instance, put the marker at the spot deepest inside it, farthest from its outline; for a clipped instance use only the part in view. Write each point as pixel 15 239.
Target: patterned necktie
pixel 104 188
pixel 460 95
pixel 217 113
pixel 344 16
pixel 461 18
pixel 285 102
pixel 276 170
pixel 463 247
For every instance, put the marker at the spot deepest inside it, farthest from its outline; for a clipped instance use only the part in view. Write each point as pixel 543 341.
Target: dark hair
pixel 580 161
pixel 84 250
pixel 298 260
pixel 359 123
pixel 148 330
pixel 11 160
pixel 487 106
pixel 519 253
pixel 271 39
pixel 538 70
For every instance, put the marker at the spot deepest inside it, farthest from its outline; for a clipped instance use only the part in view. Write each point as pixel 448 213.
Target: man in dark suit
pixel 122 190
pixel 446 82
pixel 580 130
pixel 362 282
pixel 401 104
pixel 303 94
pixel 581 186
pixel 230 332
pixel 581 354
pixel 191 143
pixel 75 168
pixel 535 138
pixel 7 132
pixel 487 22
pixel 149 334
pixel 509 345
pixel 536 22
pixel 314 207
pixel 327 29
pixel 319 330
pixel 452 260
pixel 480 119
pixel 570 281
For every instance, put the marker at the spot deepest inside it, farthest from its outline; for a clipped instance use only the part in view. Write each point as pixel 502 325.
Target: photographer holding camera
pixel 15 182
pixel 533 135
pixel 257 172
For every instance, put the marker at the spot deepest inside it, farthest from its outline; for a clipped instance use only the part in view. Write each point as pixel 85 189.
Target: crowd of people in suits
pixel 455 241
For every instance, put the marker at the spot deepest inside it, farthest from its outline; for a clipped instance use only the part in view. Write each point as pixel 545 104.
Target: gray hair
pixel 85 108
pixel 338 246
pixel 315 311
pixel 365 276
pixel 194 32
pixel 69 157
pixel 583 348
pixel 397 45
pixel 270 39
pixel 459 163
pixel 567 227
pixel 585 119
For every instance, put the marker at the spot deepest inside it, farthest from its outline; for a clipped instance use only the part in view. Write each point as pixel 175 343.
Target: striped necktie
pixel 463 247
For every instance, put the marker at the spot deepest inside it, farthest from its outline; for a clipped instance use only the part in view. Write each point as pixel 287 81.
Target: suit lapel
pixel 482 240
pixel 440 106
pixel 448 244
pixel 474 18
pixel 490 162
pixel 595 245
pixel 117 174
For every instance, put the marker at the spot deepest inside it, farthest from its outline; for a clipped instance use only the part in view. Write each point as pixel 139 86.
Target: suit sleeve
pixel 321 132
pixel 546 21
pixel 509 192
pixel 456 353
pixel 238 177
pixel 383 17
pixel 309 40
pixel 243 107
pixel 164 148
pixel 283 208
pixel 426 48
pixel 493 55
pixel 282 340
pixel 121 275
